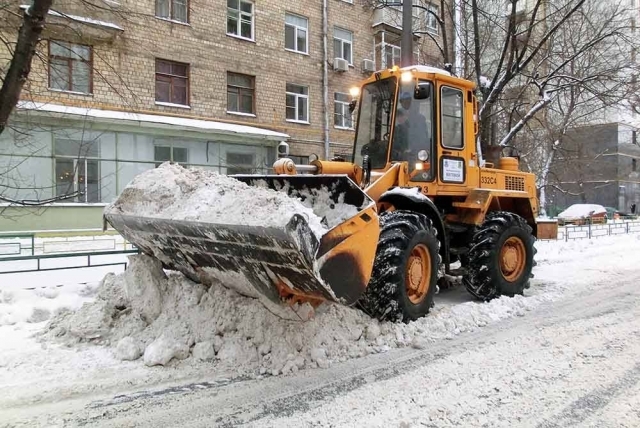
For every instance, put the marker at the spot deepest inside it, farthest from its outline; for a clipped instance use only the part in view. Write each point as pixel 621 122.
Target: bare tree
pixel 22 54
pixel 581 85
pixel 24 70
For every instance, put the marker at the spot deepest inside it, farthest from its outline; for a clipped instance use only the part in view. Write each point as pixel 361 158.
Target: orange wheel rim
pixel 418 274
pixel 513 258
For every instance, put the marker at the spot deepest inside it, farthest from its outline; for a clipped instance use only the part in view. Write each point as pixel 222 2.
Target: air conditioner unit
pixel 340 64
pixel 368 66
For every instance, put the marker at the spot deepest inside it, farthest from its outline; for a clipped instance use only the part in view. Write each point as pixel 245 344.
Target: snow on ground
pixel 155 318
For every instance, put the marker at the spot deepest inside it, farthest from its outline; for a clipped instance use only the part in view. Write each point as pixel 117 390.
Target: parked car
pixel 580 214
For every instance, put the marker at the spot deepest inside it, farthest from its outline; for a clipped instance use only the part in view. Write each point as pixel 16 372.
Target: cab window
pixel 451 117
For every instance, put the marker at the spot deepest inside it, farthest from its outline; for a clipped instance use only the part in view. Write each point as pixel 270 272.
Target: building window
pixel 634 165
pixel 299 160
pixel 342 117
pixel 170 154
pixel 240 93
pixel 432 21
pixel 240 163
pixel 77 170
pixel 172 82
pixel 342 44
pixel 240 18
pixel 174 10
pixel 297 103
pixel 295 33
pixel 392 55
pixel 70 67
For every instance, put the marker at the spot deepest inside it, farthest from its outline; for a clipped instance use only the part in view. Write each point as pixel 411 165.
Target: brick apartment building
pixel 119 86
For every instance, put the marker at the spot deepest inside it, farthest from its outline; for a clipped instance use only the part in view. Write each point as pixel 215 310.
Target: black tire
pixel 386 297
pixel 485 278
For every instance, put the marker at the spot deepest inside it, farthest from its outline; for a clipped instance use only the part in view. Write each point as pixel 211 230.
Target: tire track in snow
pixel 583 407
pixel 251 401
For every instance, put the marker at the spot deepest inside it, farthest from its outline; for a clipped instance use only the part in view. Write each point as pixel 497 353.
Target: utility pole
pixel 406 47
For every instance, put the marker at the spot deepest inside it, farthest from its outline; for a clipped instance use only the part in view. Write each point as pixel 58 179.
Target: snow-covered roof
pixel 81 19
pixel 582 210
pixel 426 69
pixel 183 123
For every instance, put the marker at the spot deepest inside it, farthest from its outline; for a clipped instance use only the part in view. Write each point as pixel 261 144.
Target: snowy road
pixel 573 361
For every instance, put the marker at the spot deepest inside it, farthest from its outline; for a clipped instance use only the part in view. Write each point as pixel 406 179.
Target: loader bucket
pixel 288 265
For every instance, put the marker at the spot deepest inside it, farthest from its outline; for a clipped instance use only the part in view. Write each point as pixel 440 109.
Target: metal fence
pixel 64 261
pixel 28 244
pixel 590 231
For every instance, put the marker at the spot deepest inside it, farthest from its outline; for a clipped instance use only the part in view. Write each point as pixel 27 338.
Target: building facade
pixel 118 87
pixel 597 164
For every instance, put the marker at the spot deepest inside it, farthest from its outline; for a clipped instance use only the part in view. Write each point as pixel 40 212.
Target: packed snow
pixel 173 192
pixel 160 315
pixel 148 325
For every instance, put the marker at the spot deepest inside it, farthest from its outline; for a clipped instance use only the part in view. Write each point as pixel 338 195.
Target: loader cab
pixel 415 115
pixel 395 124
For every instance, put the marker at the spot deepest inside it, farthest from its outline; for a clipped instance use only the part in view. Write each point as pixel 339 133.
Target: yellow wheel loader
pixel 424 199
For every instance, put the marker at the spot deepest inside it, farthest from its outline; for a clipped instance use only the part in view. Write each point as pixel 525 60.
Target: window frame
pixel 240 167
pixel 239 21
pixel 171 18
pixel 462 111
pixel 345 109
pixel 342 43
pixel 172 76
pixel 70 62
pixel 297 97
pixel 78 159
pixel 240 90
pixel 433 30
pixel 296 28
pixel 384 54
pixel 171 148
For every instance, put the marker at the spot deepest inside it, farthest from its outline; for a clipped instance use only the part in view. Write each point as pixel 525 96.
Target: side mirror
pixel 422 91
pixel 352 106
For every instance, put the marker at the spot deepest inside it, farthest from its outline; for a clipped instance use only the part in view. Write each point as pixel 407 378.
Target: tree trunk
pixel 28 38
pixel 445 46
pixel 485 125
pixel 543 181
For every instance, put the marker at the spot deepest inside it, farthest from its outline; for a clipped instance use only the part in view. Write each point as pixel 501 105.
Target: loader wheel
pixel 501 257
pixel 405 270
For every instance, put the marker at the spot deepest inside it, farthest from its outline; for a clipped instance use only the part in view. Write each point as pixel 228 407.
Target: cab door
pixel 452 165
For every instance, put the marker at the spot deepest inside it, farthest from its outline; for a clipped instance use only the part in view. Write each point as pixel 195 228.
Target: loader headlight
pixel 406 76
pixel 354 92
pixel 423 155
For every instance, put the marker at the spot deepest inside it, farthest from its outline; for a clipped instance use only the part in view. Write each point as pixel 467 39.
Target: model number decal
pixel 488 180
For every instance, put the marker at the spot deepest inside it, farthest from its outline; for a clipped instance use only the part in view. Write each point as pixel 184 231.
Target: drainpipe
pixel 325 79
pixel 407 33
pixel 457 29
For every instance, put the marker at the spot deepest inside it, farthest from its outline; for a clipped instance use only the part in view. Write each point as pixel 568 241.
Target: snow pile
pixel 320 201
pixel 173 192
pixel 160 317
pixel 582 210
pixel 40 304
